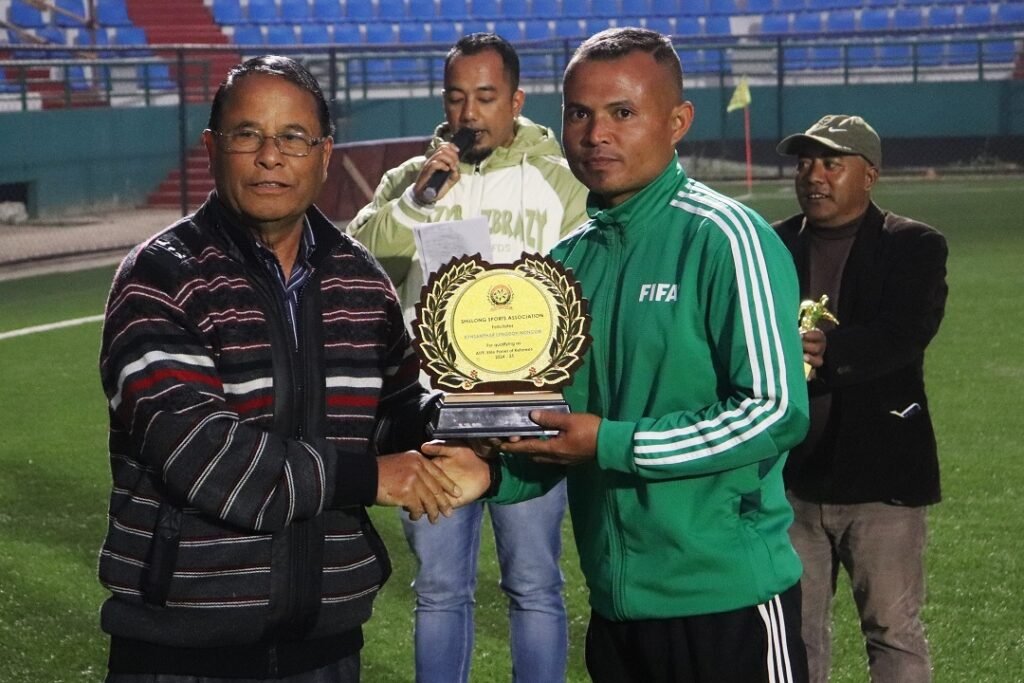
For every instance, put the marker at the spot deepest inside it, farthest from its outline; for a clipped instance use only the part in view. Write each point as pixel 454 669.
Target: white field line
pixel 50 326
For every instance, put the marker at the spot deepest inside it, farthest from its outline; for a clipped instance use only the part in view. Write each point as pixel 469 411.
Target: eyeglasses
pixel 249 141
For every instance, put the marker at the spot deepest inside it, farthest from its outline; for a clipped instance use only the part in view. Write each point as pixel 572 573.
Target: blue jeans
pixel 881 547
pixel 528 537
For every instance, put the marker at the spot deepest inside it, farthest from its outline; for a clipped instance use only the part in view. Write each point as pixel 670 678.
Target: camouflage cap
pixel 840 132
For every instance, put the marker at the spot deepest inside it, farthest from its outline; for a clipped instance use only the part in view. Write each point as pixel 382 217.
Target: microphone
pixel 464 141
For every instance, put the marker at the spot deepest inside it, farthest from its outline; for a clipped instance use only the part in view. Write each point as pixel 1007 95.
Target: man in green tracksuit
pixel 685 405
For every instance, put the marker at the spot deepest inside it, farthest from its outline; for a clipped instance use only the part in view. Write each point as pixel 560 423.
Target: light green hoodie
pixel 526 191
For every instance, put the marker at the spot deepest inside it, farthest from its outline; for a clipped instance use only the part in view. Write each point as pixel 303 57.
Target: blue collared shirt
pixel 291 288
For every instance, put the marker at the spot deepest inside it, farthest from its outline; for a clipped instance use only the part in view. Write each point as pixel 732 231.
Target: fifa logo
pixel 659 291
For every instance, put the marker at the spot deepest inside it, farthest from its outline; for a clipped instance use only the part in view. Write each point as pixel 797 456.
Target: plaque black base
pixel 461 417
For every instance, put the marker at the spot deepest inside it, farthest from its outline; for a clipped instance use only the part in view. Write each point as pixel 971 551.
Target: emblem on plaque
pixel 500 340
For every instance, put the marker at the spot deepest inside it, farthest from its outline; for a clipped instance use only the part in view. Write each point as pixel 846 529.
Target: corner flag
pixel 740 96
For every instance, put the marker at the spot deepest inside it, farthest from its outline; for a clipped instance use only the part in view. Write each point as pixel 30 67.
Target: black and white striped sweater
pixel 241 464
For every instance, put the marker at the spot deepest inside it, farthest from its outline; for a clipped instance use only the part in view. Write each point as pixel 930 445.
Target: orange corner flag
pixel 740 97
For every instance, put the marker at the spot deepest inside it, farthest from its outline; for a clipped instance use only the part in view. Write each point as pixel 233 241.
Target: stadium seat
pixel 544 9
pixel 894 55
pixel 486 9
pixel 76 7
pixel 999 51
pixel 963 52
pixel 753 7
pixel 474 26
pixel 359 10
pixel 155 77
pixel 422 9
pixel 443 32
pixel 666 8
pixel 537 29
pixel 76 78
pixel 22 14
pixel 826 57
pixel 688 26
pixel 907 19
pixel 1010 13
pixel 881 3
pixel 380 33
pixel 112 13
pixel 56 37
pixel 796 58
pixel 262 12
pixel 515 9
pixel 391 10
pixel 663 25
pixel 7 85
pixel 453 10
pixel 568 28
pixel 930 53
pixel 314 34
pixel 509 29
pixel 295 11
pixel 281 34
pixel 248 34
pixel 875 20
pixel 411 32
pixel 775 23
pixel 790 5
pixel 717 26
pixel 131 36
pixel 977 15
pixel 598 24
pixel 91 39
pixel 841 21
pixel 326 11
pixel 347 33
pixel 227 12
pixel 410 69
pixel 605 8
pixel 576 8
pixel 807 23
pixel 942 17
pixel 911 3
pixel 861 56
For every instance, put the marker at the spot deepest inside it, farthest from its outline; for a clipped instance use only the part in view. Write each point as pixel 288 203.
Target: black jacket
pixel 878 444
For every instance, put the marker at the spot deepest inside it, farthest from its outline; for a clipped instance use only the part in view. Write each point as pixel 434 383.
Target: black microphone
pixel 464 141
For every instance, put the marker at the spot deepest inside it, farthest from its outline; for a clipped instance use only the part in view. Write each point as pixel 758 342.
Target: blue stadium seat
pixel 422 9
pixel 248 34
pixel 391 10
pixel 963 52
pixel 454 10
pixel 598 24
pixel 576 8
pixel 1010 13
pixel 155 77
pixel 443 32
pixel 515 9
pixel 359 10
pixel 262 12
pixel 977 15
pixel 347 33
pixel 486 9
pixel 930 53
pixel 875 20
pixel 380 33
pixel 22 14
pixel 7 85
pixel 790 5
pixel 942 17
pixel 545 9
pixel 663 25
pixel 807 22
pixel 911 3
pixel 893 55
pixel 688 26
pixel 796 58
pixel 668 8
pixel 326 11
pixel 93 39
pixel 537 29
pixel 474 26
pixel 861 56
pixel 696 8
pixel 727 7
pixel 75 6
pixel 509 29
pixel 881 3
pixel 76 78
pixel 775 23
pixel 314 34
pixel 131 36
pixel 281 34
pixel 999 51
pixel 826 57
pixel 841 21
pixel 55 36
pixel 227 12
pixel 568 28
pixel 907 18
pixel 410 32
pixel 605 8
pixel 295 11
pixel 759 6
pixel 717 26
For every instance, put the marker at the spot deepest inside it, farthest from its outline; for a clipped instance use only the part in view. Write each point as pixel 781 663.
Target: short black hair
pixel 475 43
pixel 614 43
pixel 274 65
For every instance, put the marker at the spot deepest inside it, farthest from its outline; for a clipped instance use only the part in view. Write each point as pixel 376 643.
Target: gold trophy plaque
pixel 811 313
pixel 500 341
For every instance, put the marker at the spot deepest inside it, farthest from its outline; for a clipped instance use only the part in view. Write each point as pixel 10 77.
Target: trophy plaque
pixel 500 341
pixel 811 313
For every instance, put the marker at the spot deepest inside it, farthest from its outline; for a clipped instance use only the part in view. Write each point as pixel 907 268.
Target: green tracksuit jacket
pixel 696 370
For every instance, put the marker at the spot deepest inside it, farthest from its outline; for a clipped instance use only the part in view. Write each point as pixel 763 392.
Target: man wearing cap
pixel 861 482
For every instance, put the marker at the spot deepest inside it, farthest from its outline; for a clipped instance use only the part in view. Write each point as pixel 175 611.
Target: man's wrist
pixel 494 468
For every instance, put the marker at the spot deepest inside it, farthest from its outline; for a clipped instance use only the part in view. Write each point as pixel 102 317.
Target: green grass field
pixel 54 471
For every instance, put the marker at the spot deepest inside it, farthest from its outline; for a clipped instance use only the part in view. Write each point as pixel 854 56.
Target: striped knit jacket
pixel 242 463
